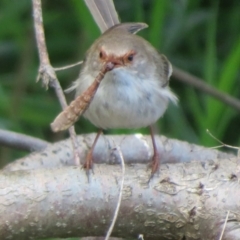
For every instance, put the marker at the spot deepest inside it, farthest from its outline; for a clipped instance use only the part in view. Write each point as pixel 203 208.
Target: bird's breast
pixel 126 100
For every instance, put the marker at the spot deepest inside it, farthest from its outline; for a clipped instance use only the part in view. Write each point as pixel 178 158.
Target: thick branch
pixel 135 148
pixel 185 201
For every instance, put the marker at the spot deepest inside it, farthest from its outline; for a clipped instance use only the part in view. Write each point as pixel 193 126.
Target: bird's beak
pixel 116 61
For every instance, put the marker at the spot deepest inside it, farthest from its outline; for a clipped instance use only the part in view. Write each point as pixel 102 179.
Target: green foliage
pixel 201 37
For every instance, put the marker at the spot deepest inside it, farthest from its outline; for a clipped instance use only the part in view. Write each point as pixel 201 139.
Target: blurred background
pixel 200 37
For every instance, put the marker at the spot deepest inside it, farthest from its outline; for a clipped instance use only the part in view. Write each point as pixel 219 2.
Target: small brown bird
pixel 134 93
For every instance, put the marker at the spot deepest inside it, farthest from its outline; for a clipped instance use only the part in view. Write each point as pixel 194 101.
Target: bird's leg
pixel 89 160
pixel 155 158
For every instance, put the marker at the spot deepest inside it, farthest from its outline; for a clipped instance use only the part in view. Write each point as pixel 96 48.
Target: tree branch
pixel 21 141
pixel 198 83
pixel 46 71
pixel 135 149
pixel 185 200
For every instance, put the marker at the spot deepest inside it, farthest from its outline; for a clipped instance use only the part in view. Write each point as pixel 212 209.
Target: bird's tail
pixel 103 12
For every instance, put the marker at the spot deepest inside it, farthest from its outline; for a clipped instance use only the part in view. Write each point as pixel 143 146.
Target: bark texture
pixel 185 200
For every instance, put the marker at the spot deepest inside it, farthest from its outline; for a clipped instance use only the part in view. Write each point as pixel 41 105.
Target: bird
pixel 132 93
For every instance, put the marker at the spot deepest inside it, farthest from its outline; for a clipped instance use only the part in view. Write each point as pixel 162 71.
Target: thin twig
pixel 119 197
pixel 198 83
pixel 99 238
pixel 224 226
pixel 140 237
pixel 223 144
pixel 21 141
pixel 68 66
pixel 46 71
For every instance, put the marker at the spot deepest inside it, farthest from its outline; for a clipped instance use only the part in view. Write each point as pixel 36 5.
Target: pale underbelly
pixel 122 108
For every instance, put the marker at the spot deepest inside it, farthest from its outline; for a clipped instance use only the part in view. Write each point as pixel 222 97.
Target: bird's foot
pixel 154 165
pixel 88 165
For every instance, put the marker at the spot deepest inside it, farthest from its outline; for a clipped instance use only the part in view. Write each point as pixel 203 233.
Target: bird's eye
pixel 130 57
pixel 101 54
